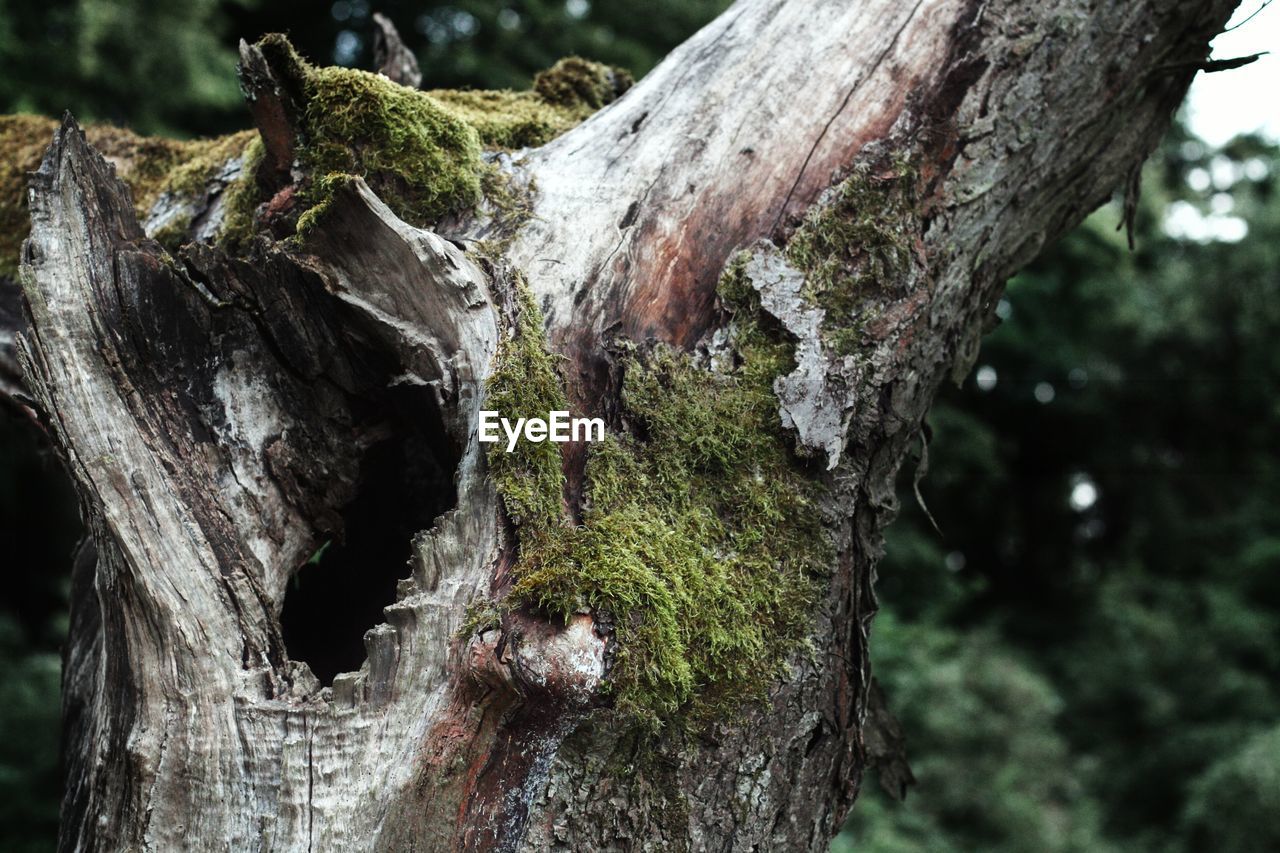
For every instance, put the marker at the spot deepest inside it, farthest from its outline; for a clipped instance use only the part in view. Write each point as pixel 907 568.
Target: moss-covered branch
pixel 700 539
pixel 422 152
pixel 856 244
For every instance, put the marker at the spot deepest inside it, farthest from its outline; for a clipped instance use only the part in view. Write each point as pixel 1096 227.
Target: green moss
pixel 242 198
pixel 172 234
pixel 420 159
pixel 149 166
pixel 190 176
pixel 421 151
pixel 324 190
pixel 700 535
pixel 562 97
pixel 525 382
pixel 201 161
pixel 509 204
pixel 22 143
pixel 481 615
pixel 506 119
pixel 853 245
pixel 575 82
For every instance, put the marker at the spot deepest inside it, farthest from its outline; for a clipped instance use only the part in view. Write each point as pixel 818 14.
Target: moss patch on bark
pixel 420 159
pixel 190 180
pixel 579 84
pixel 853 244
pixel 23 140
pixel 562 97
pixel 421 151
pixel 700 537
pixel 149 166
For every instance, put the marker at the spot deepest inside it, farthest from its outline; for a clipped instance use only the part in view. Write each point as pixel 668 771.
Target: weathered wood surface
pixel 214 411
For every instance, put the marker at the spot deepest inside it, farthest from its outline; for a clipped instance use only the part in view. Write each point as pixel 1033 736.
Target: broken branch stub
pixel 392 56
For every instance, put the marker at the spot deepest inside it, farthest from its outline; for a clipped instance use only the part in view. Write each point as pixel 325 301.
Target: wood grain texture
pixel 214 412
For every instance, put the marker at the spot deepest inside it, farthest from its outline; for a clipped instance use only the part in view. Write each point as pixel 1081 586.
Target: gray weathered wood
pixel 213 410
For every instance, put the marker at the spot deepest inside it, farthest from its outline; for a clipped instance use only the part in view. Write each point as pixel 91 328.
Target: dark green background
pixel 1069 678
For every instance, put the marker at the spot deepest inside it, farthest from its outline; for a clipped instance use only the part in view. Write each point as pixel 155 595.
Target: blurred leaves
pixel 994 773
pixel 1232 807
pixel 155 66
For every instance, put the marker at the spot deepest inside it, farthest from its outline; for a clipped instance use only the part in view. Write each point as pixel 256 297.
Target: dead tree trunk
pixel 841 187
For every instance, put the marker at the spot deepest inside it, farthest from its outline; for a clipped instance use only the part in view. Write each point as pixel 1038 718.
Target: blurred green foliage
pixel 993 772
pixel 1232 806
pixel 1088 659
pixel 153 65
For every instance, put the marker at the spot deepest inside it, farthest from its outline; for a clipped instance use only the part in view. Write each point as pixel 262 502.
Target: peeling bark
pixel 214 412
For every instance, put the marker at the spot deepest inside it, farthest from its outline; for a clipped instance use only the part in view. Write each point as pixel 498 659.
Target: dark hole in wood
pixel 406 481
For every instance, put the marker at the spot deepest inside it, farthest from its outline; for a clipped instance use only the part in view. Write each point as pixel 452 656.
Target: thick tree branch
pixel 884 167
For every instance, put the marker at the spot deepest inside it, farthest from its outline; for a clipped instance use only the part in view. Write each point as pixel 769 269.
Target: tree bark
pixel 216 413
